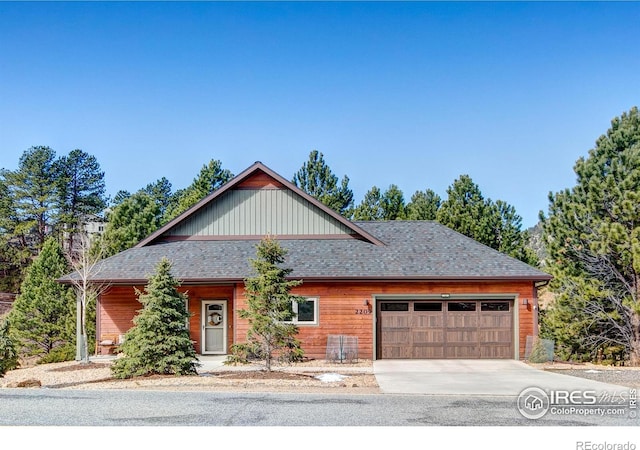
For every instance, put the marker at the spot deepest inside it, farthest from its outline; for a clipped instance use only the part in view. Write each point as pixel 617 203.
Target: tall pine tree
pixel 592 236
pixel 316 179
pixel 41 314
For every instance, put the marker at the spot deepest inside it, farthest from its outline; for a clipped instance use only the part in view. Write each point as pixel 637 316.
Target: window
pixel 461 306
pixel 431 306
pixel 394 306
pixel 494 306
pixel 306 313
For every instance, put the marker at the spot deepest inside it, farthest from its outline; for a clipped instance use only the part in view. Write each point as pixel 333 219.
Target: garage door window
pixel 394 306
pixel 431 306
pixel 494 306
pixel 461 306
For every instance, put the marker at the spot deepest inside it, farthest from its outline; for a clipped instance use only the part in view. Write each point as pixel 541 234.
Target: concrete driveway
pixel 474 377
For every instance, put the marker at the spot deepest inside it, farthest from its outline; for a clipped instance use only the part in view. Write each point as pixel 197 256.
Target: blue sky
pixel 415 94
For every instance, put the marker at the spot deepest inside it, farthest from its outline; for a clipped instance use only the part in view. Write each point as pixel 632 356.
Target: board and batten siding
pixel 254 212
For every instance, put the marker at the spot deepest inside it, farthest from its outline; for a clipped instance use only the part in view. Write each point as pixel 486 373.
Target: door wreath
pixel 215 319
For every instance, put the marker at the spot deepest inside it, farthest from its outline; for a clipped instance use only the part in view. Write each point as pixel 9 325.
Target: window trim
pixel 316 310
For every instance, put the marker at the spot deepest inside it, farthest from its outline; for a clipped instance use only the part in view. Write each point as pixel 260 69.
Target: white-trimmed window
pixel 306 313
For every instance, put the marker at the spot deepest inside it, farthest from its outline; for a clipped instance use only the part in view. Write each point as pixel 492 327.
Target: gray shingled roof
pixel 412 250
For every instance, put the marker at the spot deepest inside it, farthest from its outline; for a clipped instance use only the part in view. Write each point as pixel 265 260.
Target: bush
pixel 243 354
pixel 8 352
pixel 63 353
pixel 158 343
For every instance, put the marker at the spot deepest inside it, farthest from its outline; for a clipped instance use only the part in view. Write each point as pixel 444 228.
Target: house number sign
pixel 362 311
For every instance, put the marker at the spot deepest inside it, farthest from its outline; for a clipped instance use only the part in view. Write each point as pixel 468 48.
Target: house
pixel 404 289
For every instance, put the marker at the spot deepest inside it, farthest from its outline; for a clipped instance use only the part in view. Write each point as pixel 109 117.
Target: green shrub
pixel 242 353
pixel 63 353
pixel 8 352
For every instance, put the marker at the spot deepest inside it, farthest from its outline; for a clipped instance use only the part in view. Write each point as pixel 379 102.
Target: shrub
pixel 8 352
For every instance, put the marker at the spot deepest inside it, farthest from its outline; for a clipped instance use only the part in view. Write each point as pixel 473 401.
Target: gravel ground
pixel 623 376
pixel 358 377
pixel 97 375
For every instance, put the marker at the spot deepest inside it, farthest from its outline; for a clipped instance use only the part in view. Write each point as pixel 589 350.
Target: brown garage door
pixel 420 329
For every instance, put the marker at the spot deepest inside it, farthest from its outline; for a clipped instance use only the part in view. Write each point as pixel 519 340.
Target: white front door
pixel 214 327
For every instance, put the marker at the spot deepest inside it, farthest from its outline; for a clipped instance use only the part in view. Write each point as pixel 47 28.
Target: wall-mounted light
pixel 525 301
pixel 366 302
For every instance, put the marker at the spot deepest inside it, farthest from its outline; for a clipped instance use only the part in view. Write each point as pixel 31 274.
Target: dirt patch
pixel 80 366
pixel 262 375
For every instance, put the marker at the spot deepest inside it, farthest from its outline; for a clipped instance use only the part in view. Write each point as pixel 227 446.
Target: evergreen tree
pixel 423 205
pixel 371 207
pixel 495 224
pixel 211 177
pixel 80 193
pixel 592 236
pixel 41 313
pixel 15 255
pixel 269 306
pixel 465 210
pixel 8 352
pixel 128 223
pixel 32 190
pixel 160 192
pixel 392 202
pixel 158 342
pixel 316 179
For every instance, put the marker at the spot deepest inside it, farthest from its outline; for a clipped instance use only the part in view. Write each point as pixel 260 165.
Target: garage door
pixel 420 329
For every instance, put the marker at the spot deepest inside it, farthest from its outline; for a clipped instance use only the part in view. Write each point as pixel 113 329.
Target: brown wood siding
pixel 341 307
pixel 119 305
pixel 260 181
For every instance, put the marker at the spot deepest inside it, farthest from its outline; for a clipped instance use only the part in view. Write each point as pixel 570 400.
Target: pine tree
pixel 32 189
pixel 269 305
pixel 210 178
pixel 159 341
pixel 392 202
pixel 592 236
pixel 316 179
pixel 371 207
pixel 40 315
pixel 423 205
pixel 8 352
pixel 495 224
pixel 80 192
pixel 129 222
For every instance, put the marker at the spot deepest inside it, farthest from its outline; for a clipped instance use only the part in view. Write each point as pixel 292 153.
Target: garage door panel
pixel 495 321
pixel 433 320
pixel 428 351
pixel 461 351
pixel 496 351
pixel 462 320
pixel 447 329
